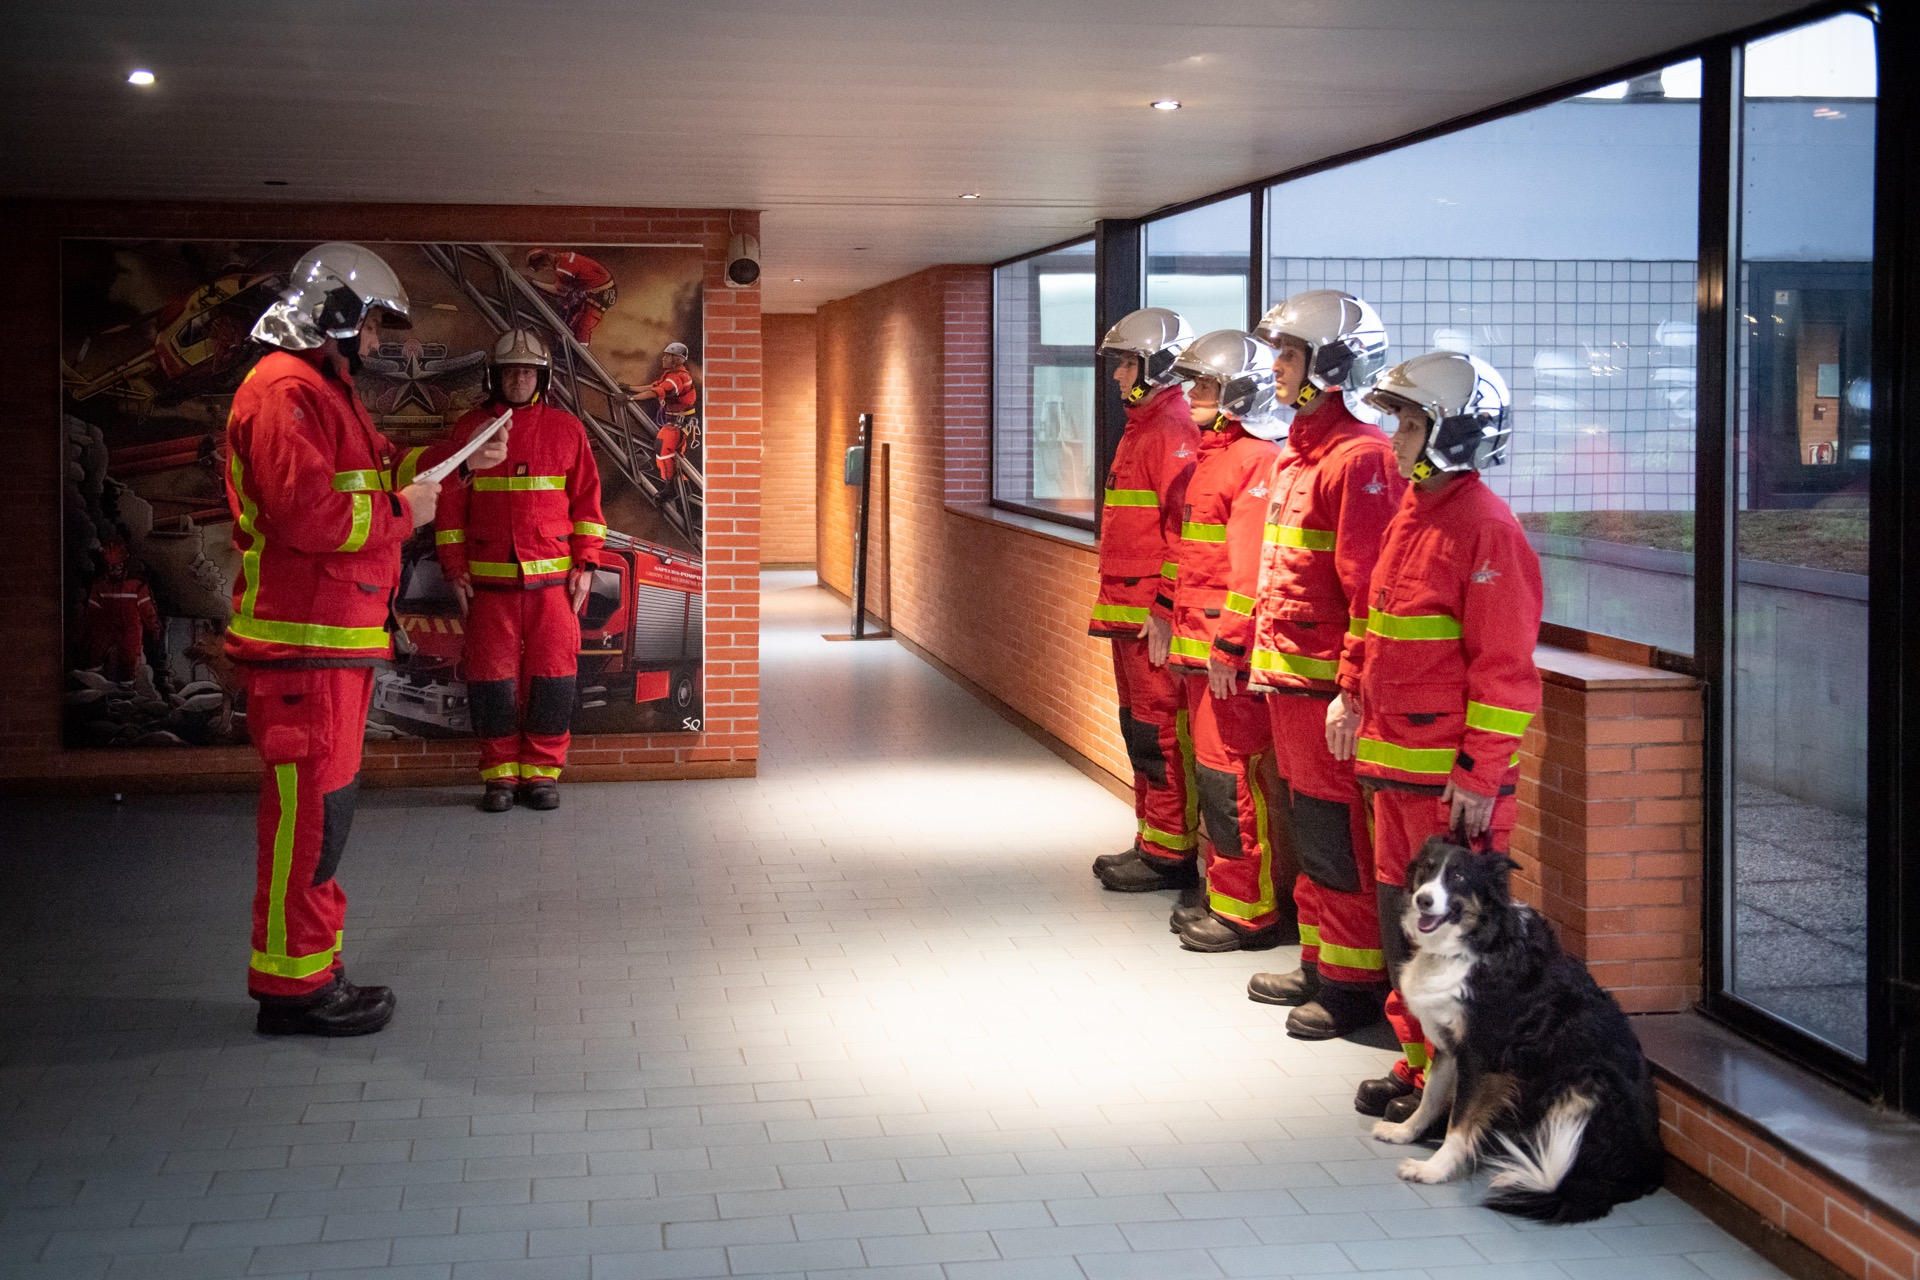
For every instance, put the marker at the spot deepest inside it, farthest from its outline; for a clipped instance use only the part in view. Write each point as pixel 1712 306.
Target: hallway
pixel 866 1014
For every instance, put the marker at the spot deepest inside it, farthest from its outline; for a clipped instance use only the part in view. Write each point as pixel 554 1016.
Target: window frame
pixel 1088 523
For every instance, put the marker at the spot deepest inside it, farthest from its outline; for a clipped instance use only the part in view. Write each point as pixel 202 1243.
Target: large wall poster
pixel 154 344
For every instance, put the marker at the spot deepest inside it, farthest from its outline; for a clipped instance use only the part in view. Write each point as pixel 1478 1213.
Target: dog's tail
pixel 1531 1178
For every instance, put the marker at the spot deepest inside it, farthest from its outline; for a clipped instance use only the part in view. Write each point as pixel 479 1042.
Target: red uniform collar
pixel 1428 501
pixel 1313 434
pixel 1166 404
pixel 1222 432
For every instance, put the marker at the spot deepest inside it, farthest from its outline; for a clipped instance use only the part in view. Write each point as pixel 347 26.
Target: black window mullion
pixel 1257 258
pixel 1117 289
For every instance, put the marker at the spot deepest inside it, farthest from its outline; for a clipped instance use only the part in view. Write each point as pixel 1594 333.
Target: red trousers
pixel 1234 773
pixel 1402 822
pixel 670 438
pixel 1154 725
pixel 1332 832
pixel 523 651
pixel 308 727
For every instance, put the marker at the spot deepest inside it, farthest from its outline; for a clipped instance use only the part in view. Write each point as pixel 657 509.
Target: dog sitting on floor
pixel 1530 1051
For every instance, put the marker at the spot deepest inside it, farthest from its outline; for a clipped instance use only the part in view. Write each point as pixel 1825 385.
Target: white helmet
pixel 1153 335
pixel 1467 407
pixel 1346 343
pixel 519 347
pixel 1243 366
pixel 328 295
pixel 675 349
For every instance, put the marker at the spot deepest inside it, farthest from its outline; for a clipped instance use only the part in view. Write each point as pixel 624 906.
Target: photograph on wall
pixel 154 343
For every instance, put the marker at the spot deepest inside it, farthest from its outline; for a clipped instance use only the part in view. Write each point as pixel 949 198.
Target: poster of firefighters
pixel 154 344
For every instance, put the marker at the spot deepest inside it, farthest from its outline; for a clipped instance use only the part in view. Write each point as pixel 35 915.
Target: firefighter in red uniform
pixel 1447 680
pixel 1139 530
pixel 583 287
pixel 518 543
pixel 1214 576
pixel 321 502
pixel 1334 490
pixel 121 619
pixel 677 396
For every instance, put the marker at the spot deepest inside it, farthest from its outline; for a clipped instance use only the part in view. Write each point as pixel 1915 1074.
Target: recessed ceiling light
pixel 140 77
pixel 1166 104
pixel 276 182
pixel 970 195
pixel 799 280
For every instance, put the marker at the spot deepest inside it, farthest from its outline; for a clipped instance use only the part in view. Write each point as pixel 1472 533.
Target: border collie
pixel 1530 1051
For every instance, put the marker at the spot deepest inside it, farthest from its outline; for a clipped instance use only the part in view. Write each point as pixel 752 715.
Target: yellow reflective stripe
pixel 492 569
pixel 1169 570
pixel 362 522
pixel 509 569
pixel 1309 935
pixel 1197 531
pixel 1183 734
pixel 249 517
pixel 1497 719
pixel 508 770
pixel 1119 613
pixel 1187 647
pixel 308 635
pixel 538 771
pixel 1430 626
pixel 535 568
pixel 1287 535
pixel 1295 664
pixel 1436 762
pixel 589 529
pixel 1353 957
pixel 1166 839
pixel 1237 603
pixel 409 467
pixel 516 484
pixel 1263 842
pixel 1132 498
pixel 447 537
pixel 1416 1056
pixel 286 780
pixel 1357 627
pixel 361 482
pixel 298 966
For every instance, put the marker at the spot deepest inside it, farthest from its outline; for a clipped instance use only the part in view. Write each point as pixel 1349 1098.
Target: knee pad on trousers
pixel 1143 748
pixel 1323 841
pixel 336 824
pixel 549 704
pixel 1220 810
pixel 491 705
pixel 1393 933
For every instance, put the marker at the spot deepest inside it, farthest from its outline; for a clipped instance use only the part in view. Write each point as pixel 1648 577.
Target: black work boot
pixel 1401 1110
pixel 1142 876
pixel 1298 987
pixel 541 793
pixel 1191 906
pixel 1339 1009
pixel 498 797
pixel 1374 1096
pixel 339 1009
pixel 1107 861
pixel 1211 933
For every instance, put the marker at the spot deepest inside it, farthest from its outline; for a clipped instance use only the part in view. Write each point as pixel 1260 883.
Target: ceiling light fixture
pixel 799 280
pixel 970 195
pixel 1166 104
pixel 276 182
pixel 141 77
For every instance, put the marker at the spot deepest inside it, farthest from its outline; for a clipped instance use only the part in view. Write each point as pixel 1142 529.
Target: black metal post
pixel 1117 290
pixel 860 533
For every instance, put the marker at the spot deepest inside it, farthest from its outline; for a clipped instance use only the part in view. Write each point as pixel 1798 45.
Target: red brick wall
pixel 30 752
pixel 1786 1192
pixel 1005 607
pixel 787 454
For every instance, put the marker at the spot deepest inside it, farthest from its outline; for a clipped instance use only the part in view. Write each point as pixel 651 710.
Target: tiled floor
pixel 866 1015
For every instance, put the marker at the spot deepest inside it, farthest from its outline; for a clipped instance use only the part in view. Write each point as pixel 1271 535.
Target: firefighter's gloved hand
pixel 422 498
pixel 1222 680
pixel 463 592
pixel 579 582
pixel 1159 639
pixel 1468 812
pixel 1343 724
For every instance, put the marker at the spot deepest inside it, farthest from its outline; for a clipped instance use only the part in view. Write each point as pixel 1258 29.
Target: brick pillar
pixel 1609 834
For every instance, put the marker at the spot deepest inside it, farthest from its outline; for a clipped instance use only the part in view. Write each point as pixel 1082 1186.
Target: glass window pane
pixel 1560 245
pixel 1799 629
pixel 1043 380
pixel 1197 264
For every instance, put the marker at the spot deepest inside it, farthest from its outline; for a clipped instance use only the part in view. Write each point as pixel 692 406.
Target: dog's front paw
pixel 1428 1171
pixel 1398 1134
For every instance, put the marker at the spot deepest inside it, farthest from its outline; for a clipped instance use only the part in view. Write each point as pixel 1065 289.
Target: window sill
pixel 1065 534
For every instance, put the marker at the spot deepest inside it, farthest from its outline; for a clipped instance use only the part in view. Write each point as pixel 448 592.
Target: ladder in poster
pixel 580 385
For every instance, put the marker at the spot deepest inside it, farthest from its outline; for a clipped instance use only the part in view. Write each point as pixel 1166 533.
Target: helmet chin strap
pixel 1308 394
pixel 1424 470
pixel 1137 392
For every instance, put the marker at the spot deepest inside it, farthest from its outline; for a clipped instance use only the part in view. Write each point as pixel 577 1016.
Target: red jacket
pixel 1219 557
pixel 578 271
pixel 676 391
pixel 535 516
pixel 1334 491
pixel 1447 681
pixel 1140 526
pixel 317 518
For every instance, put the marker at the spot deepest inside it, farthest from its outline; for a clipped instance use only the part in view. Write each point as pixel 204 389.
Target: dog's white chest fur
pixel 1434 985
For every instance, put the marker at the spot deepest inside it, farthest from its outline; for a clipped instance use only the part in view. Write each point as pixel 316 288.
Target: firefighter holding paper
pixel 518 543
pixel 321 502
pixel 1447 683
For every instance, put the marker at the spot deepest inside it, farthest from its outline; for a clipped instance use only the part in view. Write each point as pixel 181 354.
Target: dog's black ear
pixel 1507 864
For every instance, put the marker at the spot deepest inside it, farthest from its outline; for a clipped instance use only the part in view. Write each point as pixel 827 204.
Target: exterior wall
pixel 787 457
pixel 30 751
